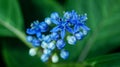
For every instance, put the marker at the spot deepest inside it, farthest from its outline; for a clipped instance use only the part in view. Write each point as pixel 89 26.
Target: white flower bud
pixel 55 58
pixel 32 52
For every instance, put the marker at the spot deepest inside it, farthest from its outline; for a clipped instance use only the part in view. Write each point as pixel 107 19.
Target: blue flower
pixel 64 54
pixel 60 44
pixel 37 28
pixel 34 28
pixel 62 27
pixel 71 17
pixel 81 24
pixel 43 35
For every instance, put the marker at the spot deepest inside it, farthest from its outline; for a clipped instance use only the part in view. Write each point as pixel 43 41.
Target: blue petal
pixel 55 21
pixel 76 28
pixel 69 29
pixel 55 29
pixel 39 35
pixel 85 28
pixel 62 33
pixel 30 31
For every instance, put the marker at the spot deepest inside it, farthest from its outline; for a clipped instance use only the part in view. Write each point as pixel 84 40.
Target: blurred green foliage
pixel 96 50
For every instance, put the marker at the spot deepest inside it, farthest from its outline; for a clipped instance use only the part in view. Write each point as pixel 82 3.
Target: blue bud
pixel 43 27
pixel 44 44
pixel 64 54
pixel 34 24
pixel 39 35
pixel 83 17
pixel 35 42
pixel 67 15
pixel 30 31
pixel 54 36
pixel 51 45
pixel 54 15
pixel 71 40
pixel 29 38
pixel 48 20
pixel 85 29
pixel 44 57
pixel 47 51
pixel 79 35
pixel 60 44
pixel 47 38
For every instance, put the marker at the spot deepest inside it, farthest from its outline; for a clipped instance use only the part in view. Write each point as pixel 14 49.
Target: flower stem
pixel 15 31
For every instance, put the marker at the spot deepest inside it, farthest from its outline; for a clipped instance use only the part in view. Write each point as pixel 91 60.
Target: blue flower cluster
pixel 49 39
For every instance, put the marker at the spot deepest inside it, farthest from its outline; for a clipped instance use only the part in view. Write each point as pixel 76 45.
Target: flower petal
pixel 85 28
pixel 55 21
pixel 69 29
pixel 39 35
pixel 62 33
pixel 30 31
pixel 55 29
pixel 76 28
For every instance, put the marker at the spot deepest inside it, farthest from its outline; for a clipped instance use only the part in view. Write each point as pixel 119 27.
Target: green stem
pixel 87 47
pixel 15 31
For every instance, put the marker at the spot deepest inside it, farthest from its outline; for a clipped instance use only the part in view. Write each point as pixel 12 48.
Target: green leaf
pixel 103 19
pixel 10 14
pixel 112 60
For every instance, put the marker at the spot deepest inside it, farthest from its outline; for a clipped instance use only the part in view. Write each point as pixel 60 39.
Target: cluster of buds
pixel 50 35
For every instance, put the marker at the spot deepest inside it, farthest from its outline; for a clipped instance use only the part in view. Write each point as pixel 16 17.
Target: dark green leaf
pixel 10 16
pixel 112 60
pixel 103 19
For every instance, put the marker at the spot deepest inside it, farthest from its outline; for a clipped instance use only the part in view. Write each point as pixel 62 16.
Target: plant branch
pixel 15 31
